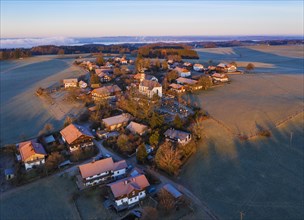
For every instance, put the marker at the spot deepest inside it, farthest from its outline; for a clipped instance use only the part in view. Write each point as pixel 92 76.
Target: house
pixel 198 67
pixel 68 83
pixel 178 136
pixel 128 192
pixel 187 64
pixel 116 122
pixel 177 87
pixel 102 171
pixel 231 68
pixel 104 77
pixel 220 77
pixel 137 128
pixel 123 61
pixel 182 72
pixel 32 154
pixel 76 137
pixel 82 84
pixel 186 81
pixel 106 92
pixel 143 76
pixel 150 88
pixel 9 173
pixel 222 68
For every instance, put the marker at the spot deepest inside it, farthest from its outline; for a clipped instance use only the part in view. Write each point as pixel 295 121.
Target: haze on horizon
pixel 42 19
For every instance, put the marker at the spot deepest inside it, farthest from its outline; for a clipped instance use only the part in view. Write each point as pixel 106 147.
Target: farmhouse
pixel 182 72
pixel 187 64
pixel 115 122
pixel 76 137
pixel 231 68
pixel 102 171
pixel 68 83
pixel 32 154
pixel 106 92
pixel 178 136
pixel 104 77
pixel 185 81
pixel 198 67
pixel 128 192
pixel 123 61
pixel 82 84
pixel 137 128
pixel 220 77
pixel 150 88
pixel 222 68
pixel 177 87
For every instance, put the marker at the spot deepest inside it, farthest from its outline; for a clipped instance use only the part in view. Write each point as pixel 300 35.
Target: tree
pixel 250 67
pixel 154 138
pixel 68 120
pixel 164 65
pixel 46 129
pixel 168 159
pixel 205 82
pixel 172 75
pixel 100 60
pixel 141 153
pixel 157 64
pixel 94 79
pixel 149 213
pixel 53 160
pixel 122 143
pixel 177 122
pixel 166 200
pixel 60 52
pixel 156 120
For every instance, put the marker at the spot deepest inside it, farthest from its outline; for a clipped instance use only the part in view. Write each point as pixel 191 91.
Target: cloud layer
pixel 31 42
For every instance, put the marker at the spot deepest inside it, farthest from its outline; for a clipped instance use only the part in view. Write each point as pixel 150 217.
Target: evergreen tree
pixel 141 154
pixel 177 122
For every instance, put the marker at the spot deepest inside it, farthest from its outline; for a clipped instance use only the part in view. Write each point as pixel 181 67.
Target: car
pixel 151 190
pixel 130 166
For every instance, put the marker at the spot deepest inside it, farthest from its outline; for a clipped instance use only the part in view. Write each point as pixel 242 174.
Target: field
pixel 50 198
pixel 23 114
pixel 263 178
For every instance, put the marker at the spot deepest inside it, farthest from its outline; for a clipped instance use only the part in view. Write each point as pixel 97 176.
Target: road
pixel 164 180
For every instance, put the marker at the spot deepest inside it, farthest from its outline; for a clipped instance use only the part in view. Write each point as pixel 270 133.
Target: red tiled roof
pixel 128 185
pixel 30 148
pixel 72 132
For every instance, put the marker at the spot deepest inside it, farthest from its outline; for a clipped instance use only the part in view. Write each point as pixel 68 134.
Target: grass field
pixel 47 199
pixel 263 178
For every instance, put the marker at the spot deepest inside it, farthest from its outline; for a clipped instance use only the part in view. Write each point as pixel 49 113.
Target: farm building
pixel 70 83
pixel 137 128
pixel 178 136
pixel 116 122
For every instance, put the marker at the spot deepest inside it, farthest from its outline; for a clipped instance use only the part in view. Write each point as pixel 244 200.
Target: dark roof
pixel 150 84
pixel 172 190
pixel 9 171
pixel 176 134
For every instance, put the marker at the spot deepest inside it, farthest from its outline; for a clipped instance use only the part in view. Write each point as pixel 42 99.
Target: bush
pixel 264 133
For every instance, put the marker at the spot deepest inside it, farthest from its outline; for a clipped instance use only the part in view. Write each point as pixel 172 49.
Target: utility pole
pixel 290 141
pixel 241 215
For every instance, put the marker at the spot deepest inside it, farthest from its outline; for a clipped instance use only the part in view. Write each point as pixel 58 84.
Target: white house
pixel 128 191
pixel 178 136
pixel 32 154
pixel 150 88
pixel 70 83
pixel 182 72
pixel 102 171
pixel 231 68
pixel 198 67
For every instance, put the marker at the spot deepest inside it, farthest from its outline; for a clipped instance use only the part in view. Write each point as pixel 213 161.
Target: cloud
pixel 31 42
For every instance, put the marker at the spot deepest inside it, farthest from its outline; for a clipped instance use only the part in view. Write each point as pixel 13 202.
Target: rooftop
pixel 74 80
pixel 172 190
pixel 176 134
pixel 118 119
pixel 72 132
pixel 30 148
pixel 150 84
pixel 182 80
pixel 128 185
pixel 107 90
pixel 136 127
pixel 101 166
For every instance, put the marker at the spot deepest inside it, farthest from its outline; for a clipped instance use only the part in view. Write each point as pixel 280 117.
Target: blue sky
pixel 133 18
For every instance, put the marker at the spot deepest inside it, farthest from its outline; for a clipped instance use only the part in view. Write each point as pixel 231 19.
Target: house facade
pixel 182 72
pixel 116 122
pixel 129 191
pixel 70 83
pixel 106 92
pixel 76 137
pixel 198 67
pixel 178 136
pixel 102 171
pixel 82 84
pixel 220 77
pixel 32 154
pixel 150 88
pixel 177 87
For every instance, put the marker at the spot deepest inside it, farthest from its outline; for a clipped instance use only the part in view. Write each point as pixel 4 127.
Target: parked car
pixel 107 155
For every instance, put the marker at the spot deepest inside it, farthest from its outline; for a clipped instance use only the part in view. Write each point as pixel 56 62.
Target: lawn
pixel 263 178
pixel 47 199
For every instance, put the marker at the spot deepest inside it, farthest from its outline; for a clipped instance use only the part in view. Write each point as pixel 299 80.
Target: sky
pixel 29 19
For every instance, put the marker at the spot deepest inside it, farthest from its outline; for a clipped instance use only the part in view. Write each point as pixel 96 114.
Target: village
pixel 136 133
